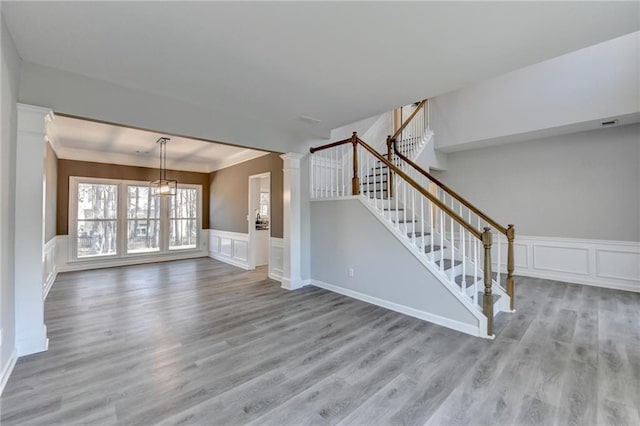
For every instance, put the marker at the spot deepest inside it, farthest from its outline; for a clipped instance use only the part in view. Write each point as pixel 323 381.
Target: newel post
pixel 390 158
pixel 355 181
pixel 487 300
pixel 511 234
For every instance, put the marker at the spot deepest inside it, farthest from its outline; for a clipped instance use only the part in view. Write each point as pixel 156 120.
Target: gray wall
pixel 583 185
pixel 229 196
pixel 589 84
pixel 345 234
pixel 8 137
pixel 50 193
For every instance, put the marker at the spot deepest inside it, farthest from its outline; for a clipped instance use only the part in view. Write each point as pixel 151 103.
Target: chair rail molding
pixel 292 247
pixel 31 332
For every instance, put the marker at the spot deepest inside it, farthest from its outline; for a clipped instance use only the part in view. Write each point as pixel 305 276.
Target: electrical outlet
pixel 350 272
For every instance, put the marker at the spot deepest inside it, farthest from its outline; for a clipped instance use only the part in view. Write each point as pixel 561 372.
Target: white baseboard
pixel 229 260
pixel 128 261
pixel 7 370
pixel 426 316
pixel 599 263
pixel 288 284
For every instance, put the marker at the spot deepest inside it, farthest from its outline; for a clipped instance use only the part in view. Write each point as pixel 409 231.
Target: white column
pixel 31 332
pixel 291 257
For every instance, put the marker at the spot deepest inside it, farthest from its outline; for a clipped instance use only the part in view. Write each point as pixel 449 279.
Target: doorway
pixel 259 218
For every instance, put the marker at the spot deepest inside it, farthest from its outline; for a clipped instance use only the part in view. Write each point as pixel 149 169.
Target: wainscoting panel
pixel 601 263
pixel 229 247
pixel 276 251
pixel 50 267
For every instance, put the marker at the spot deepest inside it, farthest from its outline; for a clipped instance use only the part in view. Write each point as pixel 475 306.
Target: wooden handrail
pixel 448 190
pixel 332 145
pixel 413 114
pixel 476 233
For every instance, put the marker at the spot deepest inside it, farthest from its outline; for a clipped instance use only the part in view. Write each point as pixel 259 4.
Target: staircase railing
pixel 330 176
pixel 400 144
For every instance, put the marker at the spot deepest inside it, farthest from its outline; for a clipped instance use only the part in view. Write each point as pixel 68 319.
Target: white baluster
pixel 312 172
pixel 396 196
pixel 431 220
pixel 499 259
pixel 422 236
pixel 413 213
pixel 405 204
pixel 475 270
pixel 441 240
pixel 452 240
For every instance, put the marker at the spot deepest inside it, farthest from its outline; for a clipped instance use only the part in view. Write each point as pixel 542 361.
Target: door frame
pixel 251 220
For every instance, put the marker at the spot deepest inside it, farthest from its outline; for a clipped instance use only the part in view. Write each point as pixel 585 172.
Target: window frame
pixel 122 220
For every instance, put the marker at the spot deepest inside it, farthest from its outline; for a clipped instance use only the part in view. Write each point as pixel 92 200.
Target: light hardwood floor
pixel 202 342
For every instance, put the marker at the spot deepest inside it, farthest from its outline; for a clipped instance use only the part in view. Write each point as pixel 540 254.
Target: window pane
pixel 183 233
pixel 264 204
pixel 97 201
pixel 141 204
pixel 143 235
pixel 184 204
pixel 96 238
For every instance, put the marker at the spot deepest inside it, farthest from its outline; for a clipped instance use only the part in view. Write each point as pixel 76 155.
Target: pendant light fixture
pixel 163 186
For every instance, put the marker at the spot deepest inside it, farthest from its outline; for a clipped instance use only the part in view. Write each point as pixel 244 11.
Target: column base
pixel 33 344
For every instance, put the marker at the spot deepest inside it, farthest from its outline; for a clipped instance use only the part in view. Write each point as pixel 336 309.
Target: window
pixel 97 222
pixel 183 219
pixel 110 218
pixel 264 204
pixel 143 215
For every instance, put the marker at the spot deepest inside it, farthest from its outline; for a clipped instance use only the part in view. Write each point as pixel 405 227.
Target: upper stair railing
pixel 401 143
pixel 351 167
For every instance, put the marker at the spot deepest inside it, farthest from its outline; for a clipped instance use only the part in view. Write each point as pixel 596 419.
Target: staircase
pixel 449 235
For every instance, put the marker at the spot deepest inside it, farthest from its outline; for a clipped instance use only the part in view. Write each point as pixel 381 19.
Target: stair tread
pixel 417 234
pixel 428 249
pixel 469 280
pixel 404 220
pixel 447 263
pixel 495 297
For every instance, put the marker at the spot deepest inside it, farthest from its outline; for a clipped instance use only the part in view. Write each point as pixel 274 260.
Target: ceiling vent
pixel 610 122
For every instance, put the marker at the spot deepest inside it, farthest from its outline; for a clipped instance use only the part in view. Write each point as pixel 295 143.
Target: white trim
pixel 276 253
pixel 426 316
pixel 251 261
pixel 291 218
pixel 33 344
pixel 50 265
pixel 63 265
pixel 229 247
pixel 122 220
pixel 240 157
pixel 599 263
pixel 7 370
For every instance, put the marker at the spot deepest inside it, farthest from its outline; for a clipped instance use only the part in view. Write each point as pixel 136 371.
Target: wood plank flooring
pixel 201 342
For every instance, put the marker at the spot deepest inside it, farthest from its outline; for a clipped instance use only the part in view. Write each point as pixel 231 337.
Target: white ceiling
pixel 82 140
pixel 337 62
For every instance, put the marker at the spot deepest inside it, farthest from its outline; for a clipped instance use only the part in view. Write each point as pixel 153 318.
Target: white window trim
pixel 122 221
